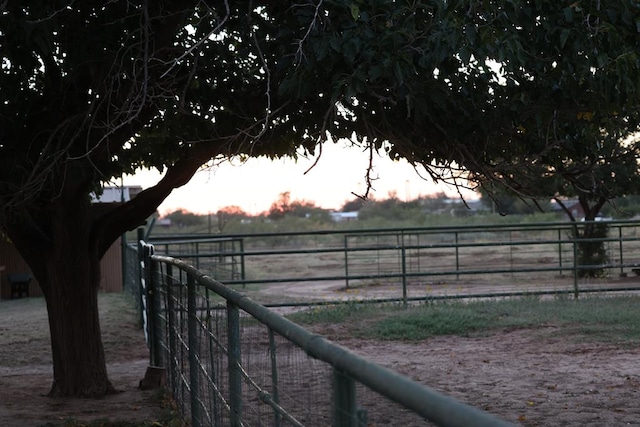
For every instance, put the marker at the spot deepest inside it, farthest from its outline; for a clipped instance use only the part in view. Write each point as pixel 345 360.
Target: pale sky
pixel 257 183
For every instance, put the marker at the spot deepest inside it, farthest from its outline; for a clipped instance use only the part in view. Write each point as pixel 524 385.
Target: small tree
pixel 353 205
pixel 183 218
pixel 228 214
pixel 284 206
pixel 280 207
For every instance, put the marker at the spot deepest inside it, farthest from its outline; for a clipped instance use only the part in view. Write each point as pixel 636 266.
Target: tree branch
pixel 135 212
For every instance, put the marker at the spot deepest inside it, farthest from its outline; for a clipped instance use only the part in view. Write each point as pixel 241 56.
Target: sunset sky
pixel 256 184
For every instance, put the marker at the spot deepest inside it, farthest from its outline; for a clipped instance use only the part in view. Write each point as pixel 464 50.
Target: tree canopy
pixel 489 87
pixel 497 90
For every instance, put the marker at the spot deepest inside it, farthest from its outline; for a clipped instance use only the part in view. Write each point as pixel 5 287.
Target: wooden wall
pixel 111 267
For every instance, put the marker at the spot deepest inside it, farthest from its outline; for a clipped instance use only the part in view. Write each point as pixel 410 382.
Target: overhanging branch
pixel 135 212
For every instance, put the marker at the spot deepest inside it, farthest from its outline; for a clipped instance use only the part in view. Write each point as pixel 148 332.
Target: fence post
pixel 235 375
pixel 511 251
pixel 194 350
pixel 346 261
pixel 171 321
pixel 274 376
pixel 404 275
pixel 242 265
pixel 197 257
pixel 575 268
pixel 345 413
pixel 148 301
pixel 620 246
pixel 457 257
pixel 560 250
pixel 141 285
pixel 153 301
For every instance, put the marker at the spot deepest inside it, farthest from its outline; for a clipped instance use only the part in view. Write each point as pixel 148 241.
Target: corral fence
pixel 419 263
pixel 233 362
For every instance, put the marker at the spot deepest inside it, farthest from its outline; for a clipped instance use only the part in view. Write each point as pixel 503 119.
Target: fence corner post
pixel 148 295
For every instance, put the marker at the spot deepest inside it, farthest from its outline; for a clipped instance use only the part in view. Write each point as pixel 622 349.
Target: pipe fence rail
pixel 421 263
pixel 233 362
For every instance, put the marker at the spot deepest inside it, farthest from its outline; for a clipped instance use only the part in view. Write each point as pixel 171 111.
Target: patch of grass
pixel 341 312
pixel 611 319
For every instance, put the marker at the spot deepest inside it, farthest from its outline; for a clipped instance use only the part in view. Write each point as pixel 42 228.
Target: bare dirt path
pixel 334 290
pixel 26 372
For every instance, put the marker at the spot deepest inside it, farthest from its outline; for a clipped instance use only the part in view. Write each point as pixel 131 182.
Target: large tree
pixel 575 110
pixel 576 114
pixel 93 90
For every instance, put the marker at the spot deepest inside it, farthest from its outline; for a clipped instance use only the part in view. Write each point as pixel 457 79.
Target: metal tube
pixel 153 299
pixel 242 265
pixel 274 377
pixel 404 276
pixel 346 261
pixel 560 251
pixel 575 268
pixel 235 374
pixel 344 400
pixel 620 248
pixel 171 316
pixel 147 292
pixel 216 411
pixel 457 256
pixel 194 350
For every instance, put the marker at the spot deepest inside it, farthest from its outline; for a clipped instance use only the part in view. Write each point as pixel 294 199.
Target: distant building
pixel 454 206
pixel 344 216
pixel 573 205
pixel 116 194
pixel 163 222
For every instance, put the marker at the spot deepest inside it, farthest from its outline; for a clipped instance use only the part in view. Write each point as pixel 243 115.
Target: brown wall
pixel 111 267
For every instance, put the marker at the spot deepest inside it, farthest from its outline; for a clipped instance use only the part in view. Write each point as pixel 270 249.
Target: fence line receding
pixel 231 361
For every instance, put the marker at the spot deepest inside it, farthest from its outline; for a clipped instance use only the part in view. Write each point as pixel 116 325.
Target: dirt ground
pixel 529 377
pixel 26 373
pixel 532 377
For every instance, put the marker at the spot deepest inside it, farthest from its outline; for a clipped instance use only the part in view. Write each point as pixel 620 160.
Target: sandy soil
pixel 26 373
pixel 529 377
pixel 532 377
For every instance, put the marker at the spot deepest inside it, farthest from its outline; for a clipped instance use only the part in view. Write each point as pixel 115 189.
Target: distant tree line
pixel 391 209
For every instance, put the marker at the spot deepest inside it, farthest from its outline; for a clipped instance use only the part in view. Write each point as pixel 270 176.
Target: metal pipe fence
pixel 231 361
pixel 427 262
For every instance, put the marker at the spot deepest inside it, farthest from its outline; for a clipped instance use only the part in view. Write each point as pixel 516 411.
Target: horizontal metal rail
pixel 539 226
pixel 409 256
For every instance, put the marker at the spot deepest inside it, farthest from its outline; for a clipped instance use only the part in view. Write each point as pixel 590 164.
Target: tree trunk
pixel 79 367
pixel 62 237
pixel 70 287
pixel 60 246
pixel 592 253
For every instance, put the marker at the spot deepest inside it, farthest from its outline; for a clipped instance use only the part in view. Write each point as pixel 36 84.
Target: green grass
pixel 611 319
